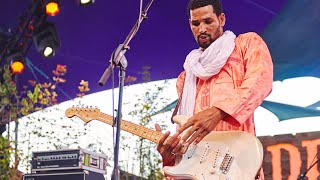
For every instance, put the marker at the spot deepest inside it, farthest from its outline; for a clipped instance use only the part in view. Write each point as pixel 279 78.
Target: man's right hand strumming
pixel 168 147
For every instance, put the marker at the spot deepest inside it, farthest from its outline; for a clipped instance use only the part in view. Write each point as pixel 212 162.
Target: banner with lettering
pixel 287 156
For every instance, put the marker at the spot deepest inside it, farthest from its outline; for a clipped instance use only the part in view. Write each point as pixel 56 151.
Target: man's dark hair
pixel 216 4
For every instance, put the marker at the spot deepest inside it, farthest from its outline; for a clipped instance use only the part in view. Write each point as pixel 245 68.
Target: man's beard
pixel 211 39
pixel 207 44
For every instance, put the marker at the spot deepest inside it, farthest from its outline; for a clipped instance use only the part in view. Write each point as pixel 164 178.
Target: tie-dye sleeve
pixel 257 82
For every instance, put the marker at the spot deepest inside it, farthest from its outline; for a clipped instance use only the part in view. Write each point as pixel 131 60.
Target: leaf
pixel 84 83
pixel 56 73
pixel 36 90
pixel 30 94
pixel 32 82
pixel 56 79
pixel 44 101
pixel 46 85
pixel 61 68
pixel 61 80
pixel 40 96
pixel 47 92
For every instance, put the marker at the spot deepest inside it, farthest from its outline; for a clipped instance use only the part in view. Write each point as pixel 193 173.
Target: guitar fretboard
pixel 132 128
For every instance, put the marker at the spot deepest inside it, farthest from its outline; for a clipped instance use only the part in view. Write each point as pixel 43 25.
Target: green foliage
pixel 32 132
pixel 8 95
pixel 56 132
pixel 4 157
pixel 141 151
pixel 8 90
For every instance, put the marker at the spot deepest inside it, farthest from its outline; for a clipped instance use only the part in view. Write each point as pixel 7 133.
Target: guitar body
pixel 221 155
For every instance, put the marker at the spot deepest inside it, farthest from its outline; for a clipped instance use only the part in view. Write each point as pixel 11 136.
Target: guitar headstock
pixel 85 114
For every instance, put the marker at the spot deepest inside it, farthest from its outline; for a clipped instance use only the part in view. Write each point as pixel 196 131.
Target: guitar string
pixel 149 134
pixel 155 135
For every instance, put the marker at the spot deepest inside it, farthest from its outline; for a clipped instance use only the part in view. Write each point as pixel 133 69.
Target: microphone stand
pixel 303 175
pixel 118 59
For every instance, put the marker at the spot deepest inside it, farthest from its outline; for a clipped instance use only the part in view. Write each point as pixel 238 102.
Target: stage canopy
pixel 89 35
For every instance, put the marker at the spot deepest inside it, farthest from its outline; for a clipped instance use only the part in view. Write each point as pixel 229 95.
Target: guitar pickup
pixel 216 156
pixel 226 163
pixel 204 155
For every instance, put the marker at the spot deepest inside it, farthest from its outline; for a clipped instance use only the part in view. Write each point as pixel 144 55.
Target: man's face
pixel 206 26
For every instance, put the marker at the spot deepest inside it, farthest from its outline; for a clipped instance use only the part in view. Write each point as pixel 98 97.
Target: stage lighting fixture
pixel 46 40
pixel 16 62
pixel 52 7
pixel 86 2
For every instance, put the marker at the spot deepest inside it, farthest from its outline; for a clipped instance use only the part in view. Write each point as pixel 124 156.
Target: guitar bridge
pixel 226 163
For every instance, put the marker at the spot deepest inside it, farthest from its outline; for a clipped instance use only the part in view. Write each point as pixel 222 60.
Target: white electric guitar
pixel 231 155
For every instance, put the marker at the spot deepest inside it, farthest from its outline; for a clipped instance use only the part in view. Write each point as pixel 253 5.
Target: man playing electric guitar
pixel 224 81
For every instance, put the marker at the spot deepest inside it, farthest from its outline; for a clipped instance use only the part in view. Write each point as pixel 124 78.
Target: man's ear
pixel 222 19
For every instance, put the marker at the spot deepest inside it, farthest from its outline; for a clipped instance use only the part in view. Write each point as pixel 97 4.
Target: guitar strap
pixel 175 111
pixel 258 174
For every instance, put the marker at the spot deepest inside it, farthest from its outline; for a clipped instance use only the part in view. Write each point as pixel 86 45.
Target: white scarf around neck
pixel 204 64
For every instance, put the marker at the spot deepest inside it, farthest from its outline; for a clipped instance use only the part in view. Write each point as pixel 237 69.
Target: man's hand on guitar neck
pixel 201 124
pixel 167 146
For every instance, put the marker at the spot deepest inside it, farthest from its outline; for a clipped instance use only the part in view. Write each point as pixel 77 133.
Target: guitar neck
pixel 132 128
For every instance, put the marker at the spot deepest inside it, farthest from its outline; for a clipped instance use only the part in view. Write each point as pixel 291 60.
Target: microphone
pixel 105 76
pixel 117 57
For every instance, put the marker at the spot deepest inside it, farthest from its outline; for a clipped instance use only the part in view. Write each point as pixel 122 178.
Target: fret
pixel 148 135
pixel 88 114
pixel 132 128
pixel 154 135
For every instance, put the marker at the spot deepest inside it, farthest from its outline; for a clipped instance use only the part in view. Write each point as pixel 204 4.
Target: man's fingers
pixel 188 134
pixel 178 146
pixel 172 139
pixel 185 126
pixel 175 144
pixel 157 127
pixel 162 139
pixel 201 136
pixel 194 136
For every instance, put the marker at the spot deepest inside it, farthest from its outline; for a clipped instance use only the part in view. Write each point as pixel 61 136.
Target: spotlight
pixel 86 2
pixel 52 7
pixel 16 62
pixel 46 39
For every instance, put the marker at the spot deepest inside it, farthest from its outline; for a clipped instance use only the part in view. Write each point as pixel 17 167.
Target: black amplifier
pixel 65 175
pixel 68 159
